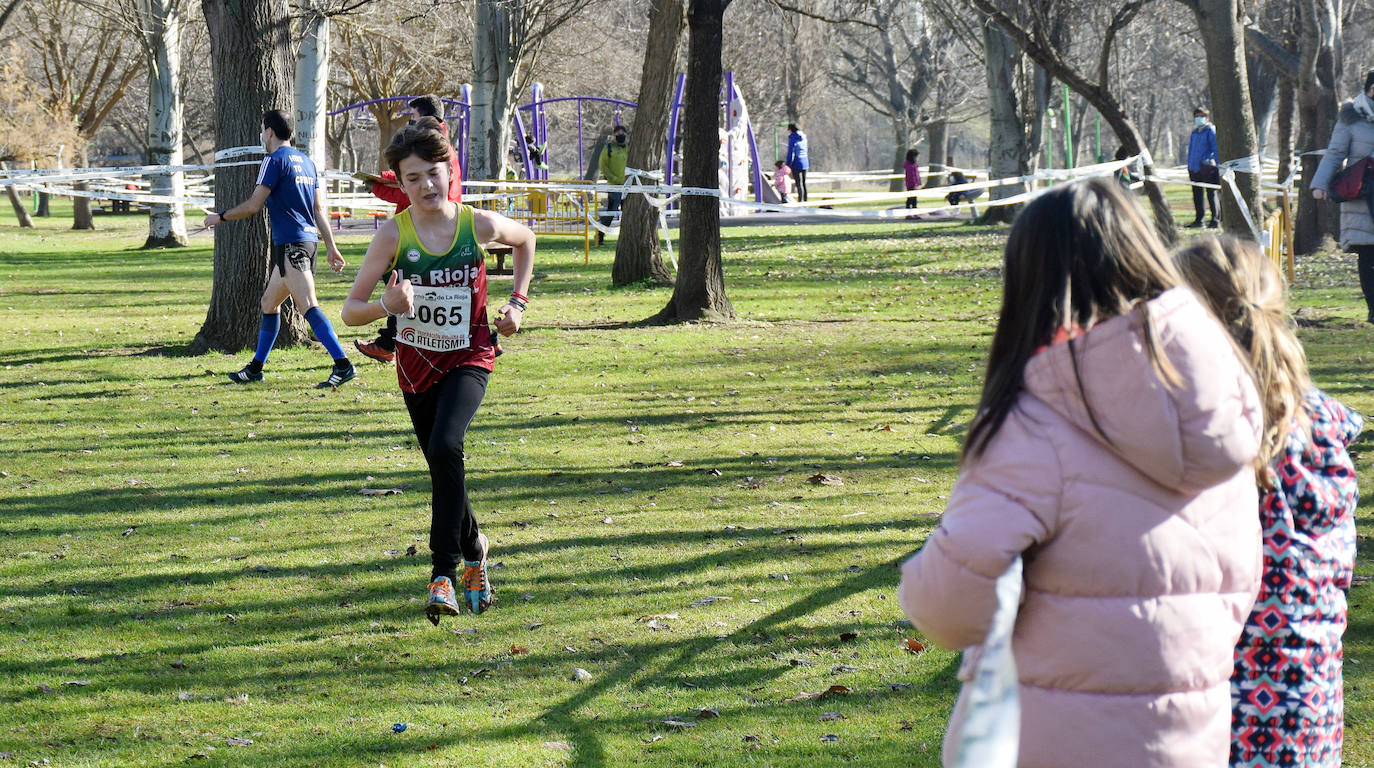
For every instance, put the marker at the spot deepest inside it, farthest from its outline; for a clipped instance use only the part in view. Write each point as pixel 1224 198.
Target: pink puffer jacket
pixel 1142 550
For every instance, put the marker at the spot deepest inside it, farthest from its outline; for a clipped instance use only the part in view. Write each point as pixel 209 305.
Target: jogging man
pixel 289 187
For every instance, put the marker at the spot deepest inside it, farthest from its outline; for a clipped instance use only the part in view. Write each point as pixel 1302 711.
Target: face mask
pixel 1199 121
pixel 622 139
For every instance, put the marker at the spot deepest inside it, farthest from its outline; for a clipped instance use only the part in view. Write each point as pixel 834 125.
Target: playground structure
pixel 532 119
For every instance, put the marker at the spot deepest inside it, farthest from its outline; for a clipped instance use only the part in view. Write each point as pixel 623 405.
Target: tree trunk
pixel 901 142
pixel 161 21
pixel 43 199
pixel 493 83
pixel 1263 83
pixel 1007 138
pixel 1284 139
pixel 1321 45
pixel 1223 38
pixel 937 153
pixel 700 290
pixel 312 79
pixel 251 70
pixel 20 212
pixel 81 205
pixel 637 251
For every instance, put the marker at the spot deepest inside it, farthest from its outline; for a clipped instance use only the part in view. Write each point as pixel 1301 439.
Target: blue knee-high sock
pixel 325 333
pixel 267 336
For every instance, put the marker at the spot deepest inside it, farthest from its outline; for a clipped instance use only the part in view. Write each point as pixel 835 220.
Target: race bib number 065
pixel 439 321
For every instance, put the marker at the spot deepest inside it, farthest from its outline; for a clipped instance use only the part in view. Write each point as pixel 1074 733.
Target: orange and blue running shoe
pixel 441 599
pixel 477 591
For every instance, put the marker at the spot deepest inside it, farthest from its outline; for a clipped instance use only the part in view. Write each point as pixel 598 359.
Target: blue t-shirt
pixel 291 176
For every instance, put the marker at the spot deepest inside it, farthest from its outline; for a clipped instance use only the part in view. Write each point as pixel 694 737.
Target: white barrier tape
pixel 1228 175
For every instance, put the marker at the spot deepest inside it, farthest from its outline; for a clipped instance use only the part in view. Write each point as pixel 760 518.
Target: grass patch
pixel 196 560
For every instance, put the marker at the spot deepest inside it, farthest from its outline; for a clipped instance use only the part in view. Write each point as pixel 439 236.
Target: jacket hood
pixel 1347 113
pixel 1185 438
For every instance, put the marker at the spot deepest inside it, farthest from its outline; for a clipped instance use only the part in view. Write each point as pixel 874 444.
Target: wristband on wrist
pixel 518 304
pixel 520 296
pixel 382 300
pixel 220 214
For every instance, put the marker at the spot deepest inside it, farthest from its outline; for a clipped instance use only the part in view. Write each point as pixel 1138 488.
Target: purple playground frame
pixel 460 110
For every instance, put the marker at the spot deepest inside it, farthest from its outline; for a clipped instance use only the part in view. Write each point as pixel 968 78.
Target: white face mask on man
pixel 1199 121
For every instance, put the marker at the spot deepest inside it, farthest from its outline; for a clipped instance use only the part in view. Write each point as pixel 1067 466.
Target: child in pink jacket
pixel 1287 695
pixel 782 180
pixel 1113 450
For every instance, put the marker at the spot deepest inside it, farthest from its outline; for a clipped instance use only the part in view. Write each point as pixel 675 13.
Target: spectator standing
pixel 1352 140
pixel 1202 165
pixel 913 175
pixel 613 159
pixel 797 159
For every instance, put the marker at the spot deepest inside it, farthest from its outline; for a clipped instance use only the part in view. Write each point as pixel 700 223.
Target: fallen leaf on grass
pixel 751 484
pixel 905 725
pixel 673 463
pixel 678 724
pixel 563 745
pixel 846 637
pixel 411 551
pixel 844 668
pixel 653 616
pixel 835 690
pixel 827 717
pixel 707 601
pixel 516 650
pixel 581 675
pixel 657 626
pixel 645 705
pixel 821 478
pixel 238 700
pixel 44 688
pixel 708 714
pixel 379 491
pixel 913 645
pixel 830 738
pixel 77 682
pixel 235 741
pixel 883 428
pixel 652 739
pixel 535 625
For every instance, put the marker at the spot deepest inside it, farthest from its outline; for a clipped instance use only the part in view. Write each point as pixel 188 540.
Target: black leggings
pixel 441 415
pixel 1366 256
pixel 799 178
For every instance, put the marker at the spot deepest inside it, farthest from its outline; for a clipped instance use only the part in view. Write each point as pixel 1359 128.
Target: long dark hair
pixel 911 155
pixel 1077 255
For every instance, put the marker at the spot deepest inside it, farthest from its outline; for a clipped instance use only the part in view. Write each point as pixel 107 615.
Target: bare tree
pixel 19 113
pixel 508 38
pixel 699 293
pixel 87 66
pixel 1219 22
pixel 1030 24
pixel 891 65
pixel 1312 69
pixel 250 57
pixel 637 251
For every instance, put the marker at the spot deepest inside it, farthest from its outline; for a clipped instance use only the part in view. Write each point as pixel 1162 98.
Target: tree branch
pixel 1273 52
pixel 789 8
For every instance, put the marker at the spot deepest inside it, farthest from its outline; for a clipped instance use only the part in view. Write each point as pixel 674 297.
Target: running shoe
pixel 338 376
pixel 441 599
pixel 477 591
pixel 245 375
pixel 375 351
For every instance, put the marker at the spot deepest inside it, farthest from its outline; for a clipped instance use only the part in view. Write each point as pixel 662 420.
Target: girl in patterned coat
pixel 1286 690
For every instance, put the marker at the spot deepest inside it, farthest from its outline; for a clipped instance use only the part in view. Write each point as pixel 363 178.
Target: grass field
pixel 189 566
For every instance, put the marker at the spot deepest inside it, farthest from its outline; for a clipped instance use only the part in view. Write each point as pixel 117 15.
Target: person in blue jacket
pixel 1202 165
pixel 796 159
